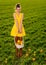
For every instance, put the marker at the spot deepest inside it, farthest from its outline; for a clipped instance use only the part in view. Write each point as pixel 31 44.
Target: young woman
pixel 18 30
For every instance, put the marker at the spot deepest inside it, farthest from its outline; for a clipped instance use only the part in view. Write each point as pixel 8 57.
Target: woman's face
pixel 18 9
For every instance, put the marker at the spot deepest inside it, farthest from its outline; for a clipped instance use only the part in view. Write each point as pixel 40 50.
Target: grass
pixel 35 28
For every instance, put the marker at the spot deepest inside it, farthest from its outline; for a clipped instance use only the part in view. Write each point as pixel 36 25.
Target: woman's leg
pixel 17 52
pixel 15 41
pixel 20 53
pixel 20 48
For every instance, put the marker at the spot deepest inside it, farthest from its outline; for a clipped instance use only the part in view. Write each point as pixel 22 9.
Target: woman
pixel 18 30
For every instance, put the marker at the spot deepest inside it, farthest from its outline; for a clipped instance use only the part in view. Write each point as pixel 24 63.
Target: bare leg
pixel 15 41
pixel 21 38
pixel 20 53
pixel 17 52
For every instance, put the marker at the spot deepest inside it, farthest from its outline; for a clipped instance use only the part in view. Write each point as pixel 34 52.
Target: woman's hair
pixel 17 5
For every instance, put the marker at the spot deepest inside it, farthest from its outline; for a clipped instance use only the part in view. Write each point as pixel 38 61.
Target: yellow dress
pixel 14 31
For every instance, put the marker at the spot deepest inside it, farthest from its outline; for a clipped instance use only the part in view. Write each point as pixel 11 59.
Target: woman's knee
pixel 21 38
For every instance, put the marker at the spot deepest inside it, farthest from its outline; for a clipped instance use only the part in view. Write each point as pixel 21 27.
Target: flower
pixel 33 59
pixel 41 50
pixel 27 54
pixel 6 60
pixel 34 53
pixel 29 49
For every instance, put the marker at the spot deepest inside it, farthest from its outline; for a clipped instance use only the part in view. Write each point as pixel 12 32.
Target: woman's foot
pixel 20 54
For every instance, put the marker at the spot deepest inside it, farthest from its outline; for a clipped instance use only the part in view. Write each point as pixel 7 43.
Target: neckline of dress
pixel 18 15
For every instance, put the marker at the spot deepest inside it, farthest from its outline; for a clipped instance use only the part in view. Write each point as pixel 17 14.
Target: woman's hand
pixel 19 30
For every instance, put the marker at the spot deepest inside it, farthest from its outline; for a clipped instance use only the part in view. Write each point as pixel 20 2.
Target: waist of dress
pixel 18 24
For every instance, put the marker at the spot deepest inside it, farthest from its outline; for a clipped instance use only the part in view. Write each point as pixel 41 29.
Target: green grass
pixel 35 28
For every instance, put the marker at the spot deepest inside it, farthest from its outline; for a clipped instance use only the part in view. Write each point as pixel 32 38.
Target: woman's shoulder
pixel 14 13
pixel 22 13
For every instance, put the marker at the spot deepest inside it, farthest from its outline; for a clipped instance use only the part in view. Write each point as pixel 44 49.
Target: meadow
pixel 34 51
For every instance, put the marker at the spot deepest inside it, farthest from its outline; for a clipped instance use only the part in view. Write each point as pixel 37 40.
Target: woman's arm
pixel 15 20
pixel 20 27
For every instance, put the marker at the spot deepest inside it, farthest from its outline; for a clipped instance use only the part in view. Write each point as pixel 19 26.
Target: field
pixel 34 51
